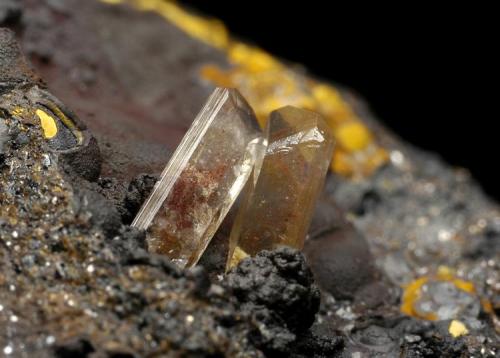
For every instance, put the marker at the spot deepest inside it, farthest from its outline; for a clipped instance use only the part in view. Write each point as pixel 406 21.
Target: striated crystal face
pixel 277 209
pixel 203 178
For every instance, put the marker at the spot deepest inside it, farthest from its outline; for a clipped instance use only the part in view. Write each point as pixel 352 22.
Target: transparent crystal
pixel 277 209
pixel 218 154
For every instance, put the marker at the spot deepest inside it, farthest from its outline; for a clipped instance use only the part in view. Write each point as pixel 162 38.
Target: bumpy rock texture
pixel 76 281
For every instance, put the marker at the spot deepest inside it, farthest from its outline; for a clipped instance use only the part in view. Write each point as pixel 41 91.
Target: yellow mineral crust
pixel 457 328
pixel 48 124
pixel 413 291
pixel 210 31
pixel 268 84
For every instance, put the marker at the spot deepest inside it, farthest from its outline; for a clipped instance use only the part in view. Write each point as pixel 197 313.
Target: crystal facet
pixel 277 209
pixel 203 178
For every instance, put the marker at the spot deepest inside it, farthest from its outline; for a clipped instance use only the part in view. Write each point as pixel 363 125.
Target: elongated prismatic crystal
pixel 216 157
pixel 277 210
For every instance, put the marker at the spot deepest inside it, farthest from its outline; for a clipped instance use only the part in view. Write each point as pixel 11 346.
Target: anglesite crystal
pixel 277 209
pixel 205 175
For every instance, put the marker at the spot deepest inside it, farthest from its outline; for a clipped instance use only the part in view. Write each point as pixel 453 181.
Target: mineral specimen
pixel 203 178
pixel 277 210
pixel 69 286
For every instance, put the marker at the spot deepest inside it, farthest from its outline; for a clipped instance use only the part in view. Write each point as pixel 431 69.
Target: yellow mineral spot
pixel 268 84
pixel 329 100
pixel 48 124
pixel 254 59
pixel 353 136
pixel 65 120
pixel 457 328
pixel 237 256
pixel 18 111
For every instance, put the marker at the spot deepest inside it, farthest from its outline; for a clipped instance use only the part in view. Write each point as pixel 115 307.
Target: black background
pixel 426 71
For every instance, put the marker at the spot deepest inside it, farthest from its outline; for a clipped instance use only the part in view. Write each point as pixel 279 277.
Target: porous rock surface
pixel 76 281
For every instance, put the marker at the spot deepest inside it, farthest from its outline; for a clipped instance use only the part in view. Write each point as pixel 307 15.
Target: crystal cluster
pixel 222 150
pixel 203 178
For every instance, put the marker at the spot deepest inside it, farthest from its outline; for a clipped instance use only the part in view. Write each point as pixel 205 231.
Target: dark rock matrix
pixel 77 281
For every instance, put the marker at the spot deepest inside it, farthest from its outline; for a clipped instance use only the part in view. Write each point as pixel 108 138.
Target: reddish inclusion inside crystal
pixel 194 187
pixel 186 194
